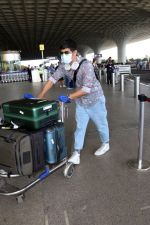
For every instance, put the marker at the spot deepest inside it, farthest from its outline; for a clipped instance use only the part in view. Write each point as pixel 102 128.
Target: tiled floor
pixel 102 191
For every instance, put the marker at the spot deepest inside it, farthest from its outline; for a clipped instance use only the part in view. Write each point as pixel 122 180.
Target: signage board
pixel 123 68
pixel 41 47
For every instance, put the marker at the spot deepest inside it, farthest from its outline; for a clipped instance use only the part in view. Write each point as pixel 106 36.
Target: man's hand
pixel 64 98
pixel 45 89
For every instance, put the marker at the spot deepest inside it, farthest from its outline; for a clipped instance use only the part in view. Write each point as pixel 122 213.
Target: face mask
pixel 66 58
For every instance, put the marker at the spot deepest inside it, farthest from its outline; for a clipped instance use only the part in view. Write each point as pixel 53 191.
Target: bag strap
pixel 8 138
pixel 76 71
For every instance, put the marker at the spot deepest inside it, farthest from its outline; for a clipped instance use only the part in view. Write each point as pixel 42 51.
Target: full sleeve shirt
pixel 85 80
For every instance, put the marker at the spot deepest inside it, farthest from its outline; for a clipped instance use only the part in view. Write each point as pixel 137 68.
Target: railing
pixel 141 164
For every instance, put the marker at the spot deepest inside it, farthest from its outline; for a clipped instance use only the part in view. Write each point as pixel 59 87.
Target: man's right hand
pixel 40 96
pixel 28 96
pixel 45 89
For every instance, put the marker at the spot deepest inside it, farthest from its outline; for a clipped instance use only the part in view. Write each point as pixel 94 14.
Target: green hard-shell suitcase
pixel 31 114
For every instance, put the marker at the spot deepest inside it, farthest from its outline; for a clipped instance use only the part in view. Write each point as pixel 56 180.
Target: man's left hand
pixel 64 98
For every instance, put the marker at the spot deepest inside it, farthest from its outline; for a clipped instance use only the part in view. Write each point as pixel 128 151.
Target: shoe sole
pixel 103 153
pixel 74 163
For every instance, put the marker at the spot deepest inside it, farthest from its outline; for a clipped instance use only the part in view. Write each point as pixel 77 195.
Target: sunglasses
pixel 66 53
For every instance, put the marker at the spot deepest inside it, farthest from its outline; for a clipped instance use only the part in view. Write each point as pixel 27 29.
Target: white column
pixel 121 51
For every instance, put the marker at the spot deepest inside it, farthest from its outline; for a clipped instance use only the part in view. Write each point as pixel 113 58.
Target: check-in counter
pixel 35 76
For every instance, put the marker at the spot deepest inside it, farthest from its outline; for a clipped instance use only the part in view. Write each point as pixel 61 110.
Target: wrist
pixel 69 96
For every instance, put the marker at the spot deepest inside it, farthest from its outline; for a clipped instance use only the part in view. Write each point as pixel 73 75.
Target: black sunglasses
pixel 66 53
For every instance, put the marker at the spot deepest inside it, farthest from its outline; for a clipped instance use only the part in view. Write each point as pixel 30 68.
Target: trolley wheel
pixel 69 169
pixel 20 198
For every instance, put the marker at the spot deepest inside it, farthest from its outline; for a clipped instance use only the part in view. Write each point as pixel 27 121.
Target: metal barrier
pixel 141 164
pixel 63 111
pixel 122 82
pixel 136 86
pixel 100 74
pixel 113 79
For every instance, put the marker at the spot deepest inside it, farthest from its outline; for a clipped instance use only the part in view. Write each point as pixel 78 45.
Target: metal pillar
pixel 140 164
pixel 122 82
pixel 106 77
pixel 64 111
pixel 42 54
pixel 113 79
pixel 100 74
pixel 136 86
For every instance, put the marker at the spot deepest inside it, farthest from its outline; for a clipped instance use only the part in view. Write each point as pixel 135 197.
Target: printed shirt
pixel 85 80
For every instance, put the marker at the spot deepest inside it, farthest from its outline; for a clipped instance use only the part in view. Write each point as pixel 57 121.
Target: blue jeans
pixel 98 114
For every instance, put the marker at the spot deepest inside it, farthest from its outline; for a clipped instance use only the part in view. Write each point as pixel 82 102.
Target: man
pixel 41 72
pixel 88 95
pixel 29 73
pixel 110 70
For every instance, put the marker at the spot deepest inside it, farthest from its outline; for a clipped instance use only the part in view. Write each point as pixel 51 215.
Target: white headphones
pixel 73 66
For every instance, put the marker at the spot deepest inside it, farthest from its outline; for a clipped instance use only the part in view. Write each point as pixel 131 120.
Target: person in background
pixel 88 96
pixel 41 72
pixel 96 70
pixel 29 70
pixel 110 69
pixel 61 80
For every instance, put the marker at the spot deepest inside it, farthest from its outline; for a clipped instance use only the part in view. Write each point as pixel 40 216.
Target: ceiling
pixel 24 24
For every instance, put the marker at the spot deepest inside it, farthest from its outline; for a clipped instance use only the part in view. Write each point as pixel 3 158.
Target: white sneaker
pixel 75 158
pixel 102 150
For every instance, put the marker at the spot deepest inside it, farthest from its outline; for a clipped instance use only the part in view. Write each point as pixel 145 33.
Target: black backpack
pixel 76 71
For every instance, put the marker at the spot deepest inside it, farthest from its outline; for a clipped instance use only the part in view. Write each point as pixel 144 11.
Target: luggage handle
pixel 8 139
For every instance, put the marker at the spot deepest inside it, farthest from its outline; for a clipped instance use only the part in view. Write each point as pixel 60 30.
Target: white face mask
pixel 66 58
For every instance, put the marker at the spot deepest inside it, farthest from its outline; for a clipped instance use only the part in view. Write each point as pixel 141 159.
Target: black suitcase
pixel 38 149
pixel 56 149
pixel 21 152
pixel 31 114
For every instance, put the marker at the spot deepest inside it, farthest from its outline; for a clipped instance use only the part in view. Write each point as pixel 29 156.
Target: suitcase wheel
pixel 20 198
pixel 69 169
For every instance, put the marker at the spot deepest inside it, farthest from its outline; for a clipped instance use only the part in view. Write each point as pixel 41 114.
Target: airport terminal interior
pixel 104 190
pixel 112 189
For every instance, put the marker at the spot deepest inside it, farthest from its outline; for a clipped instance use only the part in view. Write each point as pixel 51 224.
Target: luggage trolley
pixel 10 190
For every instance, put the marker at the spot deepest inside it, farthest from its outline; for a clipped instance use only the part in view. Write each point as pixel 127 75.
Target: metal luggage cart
pixel 4 78
pixel 19 193
pixel 1 78
pixel 11 190
pixel 24 76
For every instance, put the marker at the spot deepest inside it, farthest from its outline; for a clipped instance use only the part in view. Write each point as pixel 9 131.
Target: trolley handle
pixel 143 98
pixel 64 111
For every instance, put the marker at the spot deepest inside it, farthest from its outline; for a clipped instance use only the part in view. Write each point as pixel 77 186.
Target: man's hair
pixel 69 43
